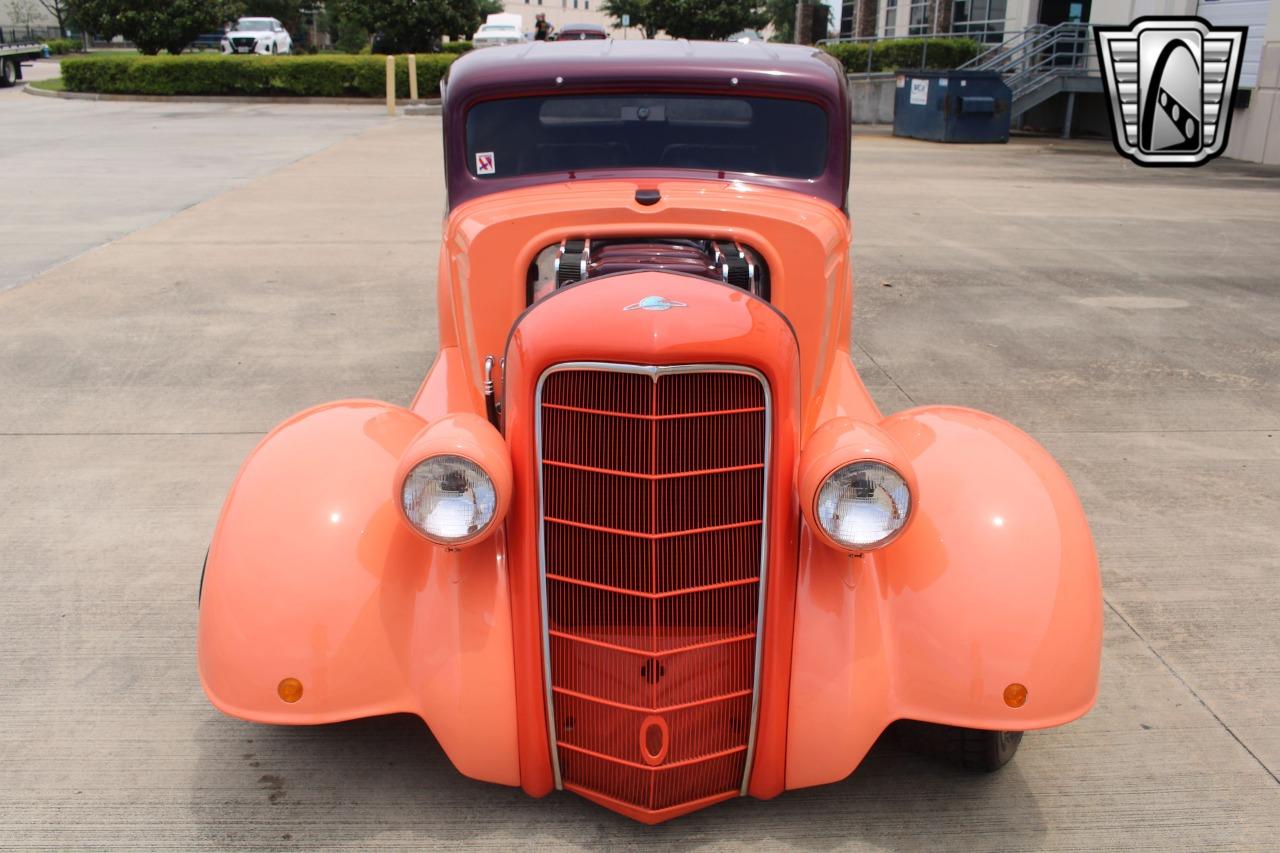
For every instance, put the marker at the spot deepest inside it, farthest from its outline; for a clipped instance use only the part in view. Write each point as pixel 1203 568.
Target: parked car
pixel 496 35
pixel 499 29
pixel 257 35
pixel 582 32
pixel 643 534
pixel 208 41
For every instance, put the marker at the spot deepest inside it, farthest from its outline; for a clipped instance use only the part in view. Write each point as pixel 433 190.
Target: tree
pixel 782 14
pixel 707 19
pixel 153 25
pixel 639 10
pixel 348 36
pixel 287 12
pixel 58 9
pixel 404 26
pixel 21 12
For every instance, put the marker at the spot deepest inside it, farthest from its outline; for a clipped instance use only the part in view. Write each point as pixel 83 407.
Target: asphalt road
pixel 1127 318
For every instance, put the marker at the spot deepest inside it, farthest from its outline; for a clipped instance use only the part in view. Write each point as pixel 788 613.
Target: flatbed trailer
pixel 12 55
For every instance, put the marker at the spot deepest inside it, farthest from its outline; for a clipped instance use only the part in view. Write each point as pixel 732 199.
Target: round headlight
pixel 449 498
pixel 863 505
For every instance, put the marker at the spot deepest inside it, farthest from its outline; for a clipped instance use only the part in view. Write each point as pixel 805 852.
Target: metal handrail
pixel 1028 48
pixel 924 50
pixel 1037 55
pixel 1009 45
pixel 935 35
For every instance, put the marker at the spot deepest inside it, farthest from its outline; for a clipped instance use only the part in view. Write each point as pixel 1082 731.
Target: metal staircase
pixel 1042 61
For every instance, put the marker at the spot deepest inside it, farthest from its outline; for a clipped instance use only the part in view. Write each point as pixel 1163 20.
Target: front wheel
pixel 8 73
pixel 971 749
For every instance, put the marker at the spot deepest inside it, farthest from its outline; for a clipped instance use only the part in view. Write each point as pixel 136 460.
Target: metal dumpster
pixel 952 106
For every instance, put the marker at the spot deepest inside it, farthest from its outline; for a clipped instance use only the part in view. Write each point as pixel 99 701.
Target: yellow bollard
pixel 413 77
pixel 391 85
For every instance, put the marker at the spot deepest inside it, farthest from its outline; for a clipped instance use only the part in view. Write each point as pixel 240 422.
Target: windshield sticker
pixel 485 164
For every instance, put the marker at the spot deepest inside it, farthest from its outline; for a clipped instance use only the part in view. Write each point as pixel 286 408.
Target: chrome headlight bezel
pixel 473 485
pixel 881 478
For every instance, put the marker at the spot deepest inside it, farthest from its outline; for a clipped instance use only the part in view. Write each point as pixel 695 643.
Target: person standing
pixel 542 29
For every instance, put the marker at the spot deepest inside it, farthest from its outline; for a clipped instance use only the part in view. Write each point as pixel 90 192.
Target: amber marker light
pixel 290 690
pixel 1015 695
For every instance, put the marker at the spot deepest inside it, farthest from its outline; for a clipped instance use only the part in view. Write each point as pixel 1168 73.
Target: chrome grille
pixel 652 484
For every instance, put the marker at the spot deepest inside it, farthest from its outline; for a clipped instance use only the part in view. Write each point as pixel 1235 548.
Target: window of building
pixel 921 21
pixel 982 20
pixel 890 18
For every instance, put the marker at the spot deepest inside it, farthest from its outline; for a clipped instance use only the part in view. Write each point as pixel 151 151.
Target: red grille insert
pixel 653 486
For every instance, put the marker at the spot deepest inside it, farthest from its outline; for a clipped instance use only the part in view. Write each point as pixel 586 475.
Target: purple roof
pixel 647 65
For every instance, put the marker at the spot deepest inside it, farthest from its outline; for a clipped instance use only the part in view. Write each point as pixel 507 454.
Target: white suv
pixel 257 35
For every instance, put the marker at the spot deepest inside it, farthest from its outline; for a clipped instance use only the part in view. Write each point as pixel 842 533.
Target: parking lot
pixel 179 278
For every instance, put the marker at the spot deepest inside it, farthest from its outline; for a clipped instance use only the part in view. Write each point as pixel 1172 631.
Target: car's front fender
pixel 994 582
pixel 313 574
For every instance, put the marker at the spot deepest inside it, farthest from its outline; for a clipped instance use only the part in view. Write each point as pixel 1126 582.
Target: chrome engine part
pixel 575 260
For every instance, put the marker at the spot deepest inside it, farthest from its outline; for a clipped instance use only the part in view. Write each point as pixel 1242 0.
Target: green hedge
pixel 60 47
pixel 892 54
pixel 455 47
pixel 325 76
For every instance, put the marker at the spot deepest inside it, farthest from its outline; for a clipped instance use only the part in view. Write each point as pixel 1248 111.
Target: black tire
pixel 8 73
pixel 970 749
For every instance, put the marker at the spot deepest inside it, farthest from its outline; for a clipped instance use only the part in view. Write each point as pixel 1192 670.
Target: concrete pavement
pixel 1127 318
pixel 75 175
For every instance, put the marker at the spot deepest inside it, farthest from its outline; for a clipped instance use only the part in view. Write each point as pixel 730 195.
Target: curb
pixel 225 99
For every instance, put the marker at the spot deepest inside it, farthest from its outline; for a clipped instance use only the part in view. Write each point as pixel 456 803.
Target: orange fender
pixel 994 582
pixel 313 574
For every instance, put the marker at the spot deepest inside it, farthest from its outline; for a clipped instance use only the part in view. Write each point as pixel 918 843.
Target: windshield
pixel 253 25
pixel 496 28
pixel 567 133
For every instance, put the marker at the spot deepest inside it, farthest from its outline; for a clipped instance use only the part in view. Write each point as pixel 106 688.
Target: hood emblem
pixel 656 303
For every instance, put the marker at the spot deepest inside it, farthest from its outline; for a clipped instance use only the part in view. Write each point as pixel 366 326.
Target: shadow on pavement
pixel 386 782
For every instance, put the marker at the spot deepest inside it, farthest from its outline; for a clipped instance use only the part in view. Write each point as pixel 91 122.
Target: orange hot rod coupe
pixel 642 534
